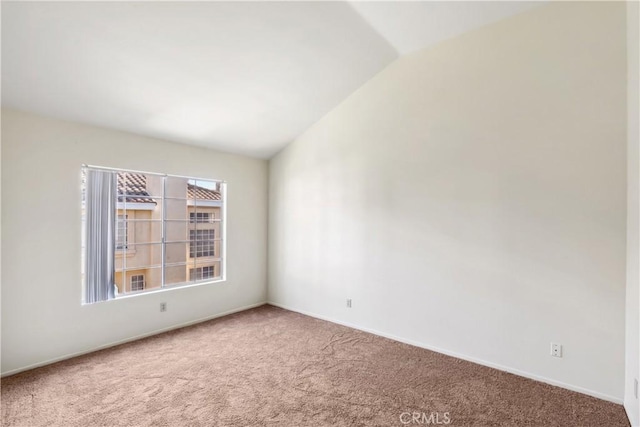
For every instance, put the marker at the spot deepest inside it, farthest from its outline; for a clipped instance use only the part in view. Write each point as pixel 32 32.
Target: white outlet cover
pixel 556 350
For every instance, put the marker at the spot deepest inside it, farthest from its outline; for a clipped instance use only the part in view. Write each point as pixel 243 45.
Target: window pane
pixel 176 253
pixel 176 231
pixel 141 230
pixel 150 278
pixel 176 275
pixel 203 272
pixel 202 243
pixel 202 215
pixel 137 282
pixel 176 187
pixel 176 209
pixel 135 279
pixel 138 256
pixel 139 187
pixel 121 232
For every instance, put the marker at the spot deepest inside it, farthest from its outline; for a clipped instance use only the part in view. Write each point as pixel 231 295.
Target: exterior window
pixel 201 217
pixel 202 243
pixel 144 231
pixel 201 273
pixel 121 232
pixel 137 282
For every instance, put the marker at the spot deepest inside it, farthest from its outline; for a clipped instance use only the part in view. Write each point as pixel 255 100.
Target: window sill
pixel 167 288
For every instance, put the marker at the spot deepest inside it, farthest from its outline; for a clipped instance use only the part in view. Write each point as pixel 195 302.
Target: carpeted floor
pixel 269 366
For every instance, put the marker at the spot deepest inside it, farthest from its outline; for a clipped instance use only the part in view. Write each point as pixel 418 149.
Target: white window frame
pixel 221 238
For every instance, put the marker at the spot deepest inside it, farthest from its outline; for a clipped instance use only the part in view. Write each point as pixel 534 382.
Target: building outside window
pixel 202 243
pixel 121 232
pixel 201 273
pixel 137 282
pixel 201 217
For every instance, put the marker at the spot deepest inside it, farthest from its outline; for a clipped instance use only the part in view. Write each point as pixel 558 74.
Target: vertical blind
pixel 100 206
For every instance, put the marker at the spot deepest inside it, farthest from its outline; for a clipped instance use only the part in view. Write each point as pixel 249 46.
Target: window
pixel 201 273
pixel 202 243
pixel 144 231
pixel 121 232
pixel 137 282
pixel 201 217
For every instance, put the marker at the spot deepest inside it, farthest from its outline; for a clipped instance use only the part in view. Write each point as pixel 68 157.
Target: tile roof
pixel 132 185
pixel 201 193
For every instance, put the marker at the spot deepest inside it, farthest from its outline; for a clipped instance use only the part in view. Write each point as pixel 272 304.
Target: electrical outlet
pixel 635 387
pixel 163 306
pixel 349 302
pixel 556 350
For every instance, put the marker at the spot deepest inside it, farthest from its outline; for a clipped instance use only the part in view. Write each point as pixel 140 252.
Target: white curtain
pixel 100 198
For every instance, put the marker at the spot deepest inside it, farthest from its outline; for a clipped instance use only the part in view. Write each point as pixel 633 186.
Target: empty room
pixel 320 213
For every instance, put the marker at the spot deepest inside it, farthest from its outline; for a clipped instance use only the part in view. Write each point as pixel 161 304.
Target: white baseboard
pixel 632 417
pixel 514 371
pixel 126 340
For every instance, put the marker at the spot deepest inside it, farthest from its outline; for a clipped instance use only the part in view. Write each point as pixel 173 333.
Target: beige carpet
pixel 272 367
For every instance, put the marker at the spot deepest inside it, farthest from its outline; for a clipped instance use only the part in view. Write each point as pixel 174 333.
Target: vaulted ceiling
pixel 242 77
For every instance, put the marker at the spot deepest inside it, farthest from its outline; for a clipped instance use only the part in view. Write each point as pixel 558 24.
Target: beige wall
pixel 471 198
pixel 42 315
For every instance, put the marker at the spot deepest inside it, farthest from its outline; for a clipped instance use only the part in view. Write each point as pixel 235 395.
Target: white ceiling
pixel 243 77
pixel 413 25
